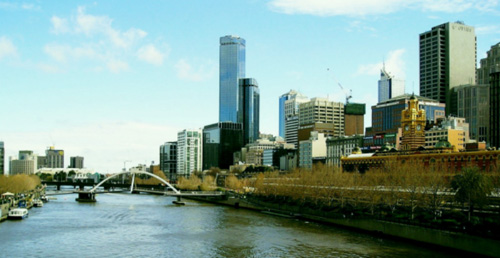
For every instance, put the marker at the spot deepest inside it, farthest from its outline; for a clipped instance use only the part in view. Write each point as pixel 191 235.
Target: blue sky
pixel 113 80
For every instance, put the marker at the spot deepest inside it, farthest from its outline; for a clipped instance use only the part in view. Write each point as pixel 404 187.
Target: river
pixel 131 225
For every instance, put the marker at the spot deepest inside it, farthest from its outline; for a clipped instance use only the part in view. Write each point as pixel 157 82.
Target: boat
pixel 44 198
pixel 18 213
pixel 38 203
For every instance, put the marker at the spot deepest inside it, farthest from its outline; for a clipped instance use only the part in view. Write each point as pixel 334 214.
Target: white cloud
pixel 394 64
pixel 59 25
pixel 491 29
pixel 7 48
pixel 117 66
pixel 104 146
pixel 375 7
pixel 187 72
pixel 150 54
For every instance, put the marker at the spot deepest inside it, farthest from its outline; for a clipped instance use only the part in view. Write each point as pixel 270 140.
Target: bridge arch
pixel 138 172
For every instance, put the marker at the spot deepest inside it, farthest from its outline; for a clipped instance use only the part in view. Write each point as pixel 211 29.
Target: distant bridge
pixel 89 196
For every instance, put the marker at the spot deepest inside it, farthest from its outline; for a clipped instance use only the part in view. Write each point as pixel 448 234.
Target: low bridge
pixel 89 196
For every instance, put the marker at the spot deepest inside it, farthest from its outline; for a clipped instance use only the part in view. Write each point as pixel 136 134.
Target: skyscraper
pixel 189 152
pixel 2 158
pixel 220 141
pixel 54 158
pixel 290 112
pixel 282 112
pixel 76 162
pixel 447 60
pixel 168 160
pixel 389 87
pixel 251 112
pixel 231 69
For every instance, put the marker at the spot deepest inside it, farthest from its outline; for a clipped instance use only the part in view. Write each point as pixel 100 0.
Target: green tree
pixel 471 188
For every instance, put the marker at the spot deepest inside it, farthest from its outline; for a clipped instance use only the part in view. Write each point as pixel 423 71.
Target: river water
pixel 130 225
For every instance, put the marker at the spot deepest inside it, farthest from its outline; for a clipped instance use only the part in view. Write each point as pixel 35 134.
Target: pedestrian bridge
pixel 89 196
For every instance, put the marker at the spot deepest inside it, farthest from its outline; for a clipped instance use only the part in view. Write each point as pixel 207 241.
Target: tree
pixel 472 188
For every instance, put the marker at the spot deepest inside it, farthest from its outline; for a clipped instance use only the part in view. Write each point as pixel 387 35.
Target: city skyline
pixel 113 84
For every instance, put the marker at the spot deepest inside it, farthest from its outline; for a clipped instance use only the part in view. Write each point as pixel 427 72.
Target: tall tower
pixel 389 87
pixel 251 109
pixel 54 158
pixel 189 152
pixel 413 124
pixel 2 158
pixel 289 112
pixel 231 69
pixel 447 59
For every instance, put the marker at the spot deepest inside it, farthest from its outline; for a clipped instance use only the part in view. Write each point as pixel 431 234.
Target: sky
pixel 113 80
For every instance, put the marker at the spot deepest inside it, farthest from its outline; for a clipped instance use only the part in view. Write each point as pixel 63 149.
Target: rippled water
pixel 126 225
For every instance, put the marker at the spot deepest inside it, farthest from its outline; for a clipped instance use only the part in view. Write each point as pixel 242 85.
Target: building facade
pixel 220 141
pixel 389 87
pixel 168 160
pixel 2 158
pixel 354 118
pixel 473 104
pixel 231 69
pixel 54 158
pixel 26 163
pixel 76 162
pixel 339 147
pixel 291 113
pixel 413 124
pixel 189 152
pixel 312 151
pixel 447 60
pixel 251 109
pixel 319 110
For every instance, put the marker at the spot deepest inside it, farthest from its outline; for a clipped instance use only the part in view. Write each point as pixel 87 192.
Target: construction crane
pixel 348 94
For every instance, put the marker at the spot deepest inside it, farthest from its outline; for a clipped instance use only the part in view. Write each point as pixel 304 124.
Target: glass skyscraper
pixel 231 69
pixel 251 112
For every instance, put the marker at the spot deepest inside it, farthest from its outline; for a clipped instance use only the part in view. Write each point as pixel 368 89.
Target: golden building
pixel 413 124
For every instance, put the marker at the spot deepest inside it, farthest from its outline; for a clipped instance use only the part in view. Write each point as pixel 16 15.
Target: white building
pixel 26 163
pixel 320 110
pixel 389 87
pixel 189 152
pixel 290 113
pixel 312 150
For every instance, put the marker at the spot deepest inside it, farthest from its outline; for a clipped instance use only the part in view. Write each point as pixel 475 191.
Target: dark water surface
pixel 126 225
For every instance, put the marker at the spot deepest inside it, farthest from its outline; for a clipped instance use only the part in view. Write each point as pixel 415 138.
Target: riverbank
pixel 435 237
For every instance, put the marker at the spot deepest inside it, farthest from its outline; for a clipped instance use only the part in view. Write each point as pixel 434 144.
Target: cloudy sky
pixel 113 80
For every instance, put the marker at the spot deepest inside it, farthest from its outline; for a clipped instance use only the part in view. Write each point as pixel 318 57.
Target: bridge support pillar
pixel 59 187
pixel 179 201
pixel 86 197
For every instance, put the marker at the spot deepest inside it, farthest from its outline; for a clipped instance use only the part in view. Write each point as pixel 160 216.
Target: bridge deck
pixel 183 194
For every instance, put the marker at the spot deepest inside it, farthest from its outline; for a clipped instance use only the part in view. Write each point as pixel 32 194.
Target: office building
pixel 354 118
pixel 319 110
pixel 447 60
pixel 251 109
pixel 473 104
pixel 489 73
pixel 26 163
pixel 189 152
pixel 290 112
pixel 2 158
pixel 231 69
pixel 76 162
pixel 338 147
pixel 389 87
pixel 168 160
pixel 220 141
pixel 54 158
pixel 312 151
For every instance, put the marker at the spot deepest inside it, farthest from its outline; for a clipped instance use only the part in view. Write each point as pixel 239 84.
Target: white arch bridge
pixel 89 196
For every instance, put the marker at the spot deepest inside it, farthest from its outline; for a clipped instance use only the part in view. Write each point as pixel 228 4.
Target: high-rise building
pixel 231 69
pixel 319 110
pixel 389 87
pixel 291 95
pixel 76 162
pixel 447 60
pixel 290 112
pixel 26 163
pixel 473 104
pixel 354 118
pixel 2 158
pixel 54 158
pixel 189 152
pixel 489 73
pixel 168 160
pixel 220 141
pixel 251 112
